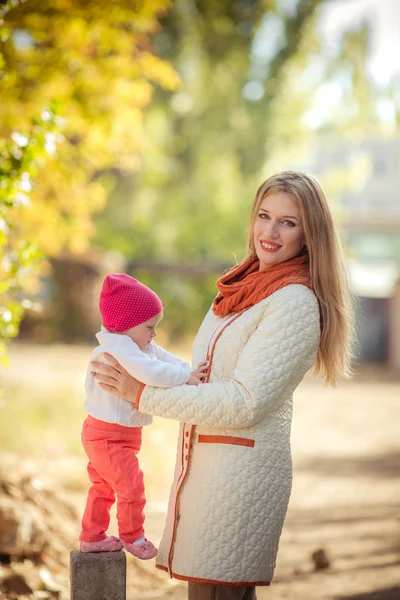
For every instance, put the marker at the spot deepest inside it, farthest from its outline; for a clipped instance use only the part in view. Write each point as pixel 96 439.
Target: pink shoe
pixel 143 550
pixel 109 544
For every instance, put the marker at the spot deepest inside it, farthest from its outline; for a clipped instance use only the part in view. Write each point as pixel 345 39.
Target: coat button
pixel 187 434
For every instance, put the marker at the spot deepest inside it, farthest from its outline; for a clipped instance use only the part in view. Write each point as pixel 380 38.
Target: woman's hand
pixel 115 379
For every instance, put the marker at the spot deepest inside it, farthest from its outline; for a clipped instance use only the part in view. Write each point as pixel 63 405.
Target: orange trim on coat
pixel 182 456
pixel 189 441
pixel 162 568
pixel 185 436
pixel 183 475
pixel 212 581
pixel 225 439
pixel 138 395
pixel 223 321
pixel 210 355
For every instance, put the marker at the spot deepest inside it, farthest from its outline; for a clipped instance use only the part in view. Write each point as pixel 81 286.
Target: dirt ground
pixel 345 499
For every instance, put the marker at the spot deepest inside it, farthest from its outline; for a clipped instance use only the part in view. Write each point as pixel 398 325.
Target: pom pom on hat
pixel 125 302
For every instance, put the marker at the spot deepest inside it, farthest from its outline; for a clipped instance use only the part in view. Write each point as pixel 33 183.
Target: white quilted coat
pixel 233 470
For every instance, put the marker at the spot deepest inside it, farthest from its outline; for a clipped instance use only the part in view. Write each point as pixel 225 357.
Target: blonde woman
pixel 282 311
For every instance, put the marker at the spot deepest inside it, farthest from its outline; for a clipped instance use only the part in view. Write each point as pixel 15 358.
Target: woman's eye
pixel 263 215
pixel 290 223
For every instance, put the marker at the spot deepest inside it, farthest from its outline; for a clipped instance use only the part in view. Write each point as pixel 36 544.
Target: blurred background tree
pixel 160 172
pixel 21 156
pixel 20 159
pixel 250 72
pixel 207 144
pixel 93 60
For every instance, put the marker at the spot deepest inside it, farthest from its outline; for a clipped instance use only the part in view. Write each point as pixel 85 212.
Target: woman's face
pixel 278 231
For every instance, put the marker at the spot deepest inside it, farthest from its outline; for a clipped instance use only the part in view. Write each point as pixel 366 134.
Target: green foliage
pixel 207 144
pixel 88 69
pixel 166 174
pixel 96 59
pixel 21 158
pixel 251 73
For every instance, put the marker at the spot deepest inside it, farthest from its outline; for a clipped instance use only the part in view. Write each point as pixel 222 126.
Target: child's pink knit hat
pixel 125 302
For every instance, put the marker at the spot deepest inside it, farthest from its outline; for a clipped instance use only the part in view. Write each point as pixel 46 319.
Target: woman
pixel 283 310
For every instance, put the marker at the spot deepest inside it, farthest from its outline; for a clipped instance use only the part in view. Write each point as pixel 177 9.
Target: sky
pixel 384 57
pixel 384 15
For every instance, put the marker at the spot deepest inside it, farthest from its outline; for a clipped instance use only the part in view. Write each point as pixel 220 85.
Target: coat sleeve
pixel 271 365
pixel 151 371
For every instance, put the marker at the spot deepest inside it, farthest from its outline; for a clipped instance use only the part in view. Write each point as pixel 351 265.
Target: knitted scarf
pixel 244 285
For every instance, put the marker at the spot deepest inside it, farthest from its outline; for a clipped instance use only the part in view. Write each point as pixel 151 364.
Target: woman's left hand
pixel 115 379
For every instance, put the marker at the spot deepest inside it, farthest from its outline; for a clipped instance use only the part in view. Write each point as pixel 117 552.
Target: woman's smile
pixel 278 231
pixel 269 246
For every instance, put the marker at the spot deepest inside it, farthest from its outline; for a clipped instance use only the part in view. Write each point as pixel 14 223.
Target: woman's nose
pixel 271 229
pixel 153 334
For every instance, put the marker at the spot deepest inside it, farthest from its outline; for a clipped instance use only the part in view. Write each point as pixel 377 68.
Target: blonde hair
pixel 328 273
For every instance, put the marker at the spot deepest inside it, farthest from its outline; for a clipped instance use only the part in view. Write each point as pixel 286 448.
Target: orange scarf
pixel 244 285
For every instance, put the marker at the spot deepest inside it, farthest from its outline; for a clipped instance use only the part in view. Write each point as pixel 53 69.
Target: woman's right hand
pixel 115 379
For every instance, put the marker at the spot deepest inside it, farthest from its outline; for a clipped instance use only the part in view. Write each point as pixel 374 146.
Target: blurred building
pixel 380 206
pixel 371 223
pixel 376 284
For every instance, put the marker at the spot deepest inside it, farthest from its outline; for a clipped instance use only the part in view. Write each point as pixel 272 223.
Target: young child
pixel 112 431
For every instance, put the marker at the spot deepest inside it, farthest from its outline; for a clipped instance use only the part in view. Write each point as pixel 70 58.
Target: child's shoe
pixel 109 544
pixel 141 548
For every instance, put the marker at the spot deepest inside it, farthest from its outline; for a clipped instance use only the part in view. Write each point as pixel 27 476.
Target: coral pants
pixel 113 470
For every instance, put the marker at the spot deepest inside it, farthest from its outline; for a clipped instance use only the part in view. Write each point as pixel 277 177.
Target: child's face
pixel 143 334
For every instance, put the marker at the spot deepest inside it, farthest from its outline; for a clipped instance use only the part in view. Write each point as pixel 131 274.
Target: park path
pixel 346 488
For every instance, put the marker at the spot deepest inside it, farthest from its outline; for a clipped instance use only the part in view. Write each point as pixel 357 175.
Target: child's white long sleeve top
pixel 154 366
